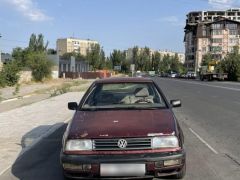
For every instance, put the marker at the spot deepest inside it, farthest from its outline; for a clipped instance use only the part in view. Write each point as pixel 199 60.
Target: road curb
pixel 16 98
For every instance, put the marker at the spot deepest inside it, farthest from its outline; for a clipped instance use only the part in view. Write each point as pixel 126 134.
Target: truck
pixel 210 73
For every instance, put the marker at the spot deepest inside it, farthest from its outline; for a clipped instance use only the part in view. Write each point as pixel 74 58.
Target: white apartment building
pixel 68 45
pixel 181 56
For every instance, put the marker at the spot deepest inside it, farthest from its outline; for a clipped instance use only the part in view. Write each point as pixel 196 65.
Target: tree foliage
pixel 207 58
pixel 9 74
pixel 118 58
pixel 36 43
pixel 231 64
pixel 39 64
pixel 78 56
pixel 34 57
pixel 93 56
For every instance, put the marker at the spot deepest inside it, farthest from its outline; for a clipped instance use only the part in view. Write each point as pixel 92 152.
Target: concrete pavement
pixel 22 127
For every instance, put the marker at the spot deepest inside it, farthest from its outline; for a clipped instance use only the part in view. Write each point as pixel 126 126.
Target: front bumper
pixel 154 164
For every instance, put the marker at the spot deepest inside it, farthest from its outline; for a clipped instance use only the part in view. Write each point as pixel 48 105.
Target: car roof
pixel 125 79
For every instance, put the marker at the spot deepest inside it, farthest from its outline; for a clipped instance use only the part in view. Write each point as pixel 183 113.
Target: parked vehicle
pixel 209 73
pixel 138 74
pixel 123 128
pixel 163 74
pixel 152 73
pixel 172 75
pixel 191 75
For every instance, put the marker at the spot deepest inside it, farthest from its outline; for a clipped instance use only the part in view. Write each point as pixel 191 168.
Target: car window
pixel 124 95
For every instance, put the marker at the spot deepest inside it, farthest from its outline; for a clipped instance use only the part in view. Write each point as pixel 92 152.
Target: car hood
pixel 121 123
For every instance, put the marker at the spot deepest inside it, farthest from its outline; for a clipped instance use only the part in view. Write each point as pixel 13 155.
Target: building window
pixel 216 32
pixel 233 32
pixel 217 26
pixel 204 32
pixel 215 48
pixel 231 26
pixel 216 40
pixel 233 40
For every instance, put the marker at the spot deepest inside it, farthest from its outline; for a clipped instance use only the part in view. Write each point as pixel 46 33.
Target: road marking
pixel 228 88
pixel 2 172
pixel 203 141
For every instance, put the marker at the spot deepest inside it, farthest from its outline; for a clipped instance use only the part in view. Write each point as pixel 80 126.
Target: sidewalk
pixel 22 127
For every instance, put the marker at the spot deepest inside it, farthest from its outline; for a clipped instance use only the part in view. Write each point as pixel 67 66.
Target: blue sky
pixel 116 24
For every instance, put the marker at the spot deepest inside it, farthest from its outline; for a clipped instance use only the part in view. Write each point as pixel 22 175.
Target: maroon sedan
pixel 123 128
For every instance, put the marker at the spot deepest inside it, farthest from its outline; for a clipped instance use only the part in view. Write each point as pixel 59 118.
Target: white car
pixel 173 75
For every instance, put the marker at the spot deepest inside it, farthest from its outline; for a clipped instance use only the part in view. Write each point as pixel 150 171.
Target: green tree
pixel 174 63
pixel 102 63
pixel 109 64
pixel 156 58
pixel 19 55
pixel 9 74
pixel 144 58
pixel 34 57
pixel 78 56
pixel 231 64
pixel 135 57
pixel 36 43
pixel 116 57
pixel 164 65
pixel 39 64
pixel 207 58
pixel 93 56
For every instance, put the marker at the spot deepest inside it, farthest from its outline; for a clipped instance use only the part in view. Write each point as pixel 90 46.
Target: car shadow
pixel 40 160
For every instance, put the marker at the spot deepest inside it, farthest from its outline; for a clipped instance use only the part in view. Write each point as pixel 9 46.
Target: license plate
pixel 122 169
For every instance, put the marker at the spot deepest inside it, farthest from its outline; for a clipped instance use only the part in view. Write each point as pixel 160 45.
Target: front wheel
pixel 181 173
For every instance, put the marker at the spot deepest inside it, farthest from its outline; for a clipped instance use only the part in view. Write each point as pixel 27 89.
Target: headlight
pixel 78 145
pixel 165 142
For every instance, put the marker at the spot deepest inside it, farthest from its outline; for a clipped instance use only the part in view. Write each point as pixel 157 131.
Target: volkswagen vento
pixel 123 128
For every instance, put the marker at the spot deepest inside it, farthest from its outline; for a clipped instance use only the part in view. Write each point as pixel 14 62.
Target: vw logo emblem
pixel 122 143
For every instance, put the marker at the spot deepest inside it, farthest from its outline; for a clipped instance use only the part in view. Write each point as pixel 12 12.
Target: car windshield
pixel 124 96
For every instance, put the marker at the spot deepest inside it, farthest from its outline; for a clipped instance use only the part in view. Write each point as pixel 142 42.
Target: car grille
pixel 112 144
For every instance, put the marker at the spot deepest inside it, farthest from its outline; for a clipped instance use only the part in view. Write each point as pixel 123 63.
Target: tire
pixel 64 175
pixel 181 173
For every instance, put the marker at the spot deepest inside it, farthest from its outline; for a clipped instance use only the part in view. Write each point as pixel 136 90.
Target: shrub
pixel 39 64
pixel 9 75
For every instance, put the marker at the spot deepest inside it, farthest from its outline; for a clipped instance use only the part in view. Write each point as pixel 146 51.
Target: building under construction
pixel 213 32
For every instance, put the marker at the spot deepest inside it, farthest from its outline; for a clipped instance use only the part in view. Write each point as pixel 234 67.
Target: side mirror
pixel 72 105
pixel 176 103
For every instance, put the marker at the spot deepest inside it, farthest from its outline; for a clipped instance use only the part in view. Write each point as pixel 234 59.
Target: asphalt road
pixel 210 118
